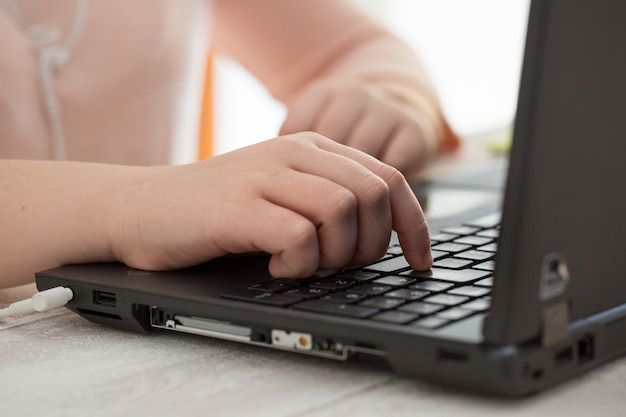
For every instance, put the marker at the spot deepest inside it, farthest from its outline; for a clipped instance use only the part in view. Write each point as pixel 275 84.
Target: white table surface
pixel 58 364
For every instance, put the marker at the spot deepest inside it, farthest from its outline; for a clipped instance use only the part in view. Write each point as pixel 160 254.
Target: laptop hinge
pixel 555 322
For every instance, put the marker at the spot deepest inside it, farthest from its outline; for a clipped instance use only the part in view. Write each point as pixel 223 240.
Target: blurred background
pixel 473 51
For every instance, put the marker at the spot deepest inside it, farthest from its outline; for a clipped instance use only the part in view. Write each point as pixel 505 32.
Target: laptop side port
pixel 563 356
pixel 104 298
pixel 207 327
pixel 452 356
pixel 294 340
pixel 586 349
pixel 275 338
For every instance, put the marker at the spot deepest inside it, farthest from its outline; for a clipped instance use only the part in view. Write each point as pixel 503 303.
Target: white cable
pixel 40 35
pixel 42 301
pixel 49 60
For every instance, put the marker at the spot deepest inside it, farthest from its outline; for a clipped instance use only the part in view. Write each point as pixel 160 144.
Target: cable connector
pixel 42 301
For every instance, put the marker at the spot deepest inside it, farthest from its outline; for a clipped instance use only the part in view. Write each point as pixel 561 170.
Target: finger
pixel 406 149
pixel 373 209
pixel 289 237
pixel 343 111
pixel 374 129
pixel 303 112
pixel 410 224
pixel 330 207
pixel 407 216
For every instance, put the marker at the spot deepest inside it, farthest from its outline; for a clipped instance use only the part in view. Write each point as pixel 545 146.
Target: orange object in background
pixel 205 144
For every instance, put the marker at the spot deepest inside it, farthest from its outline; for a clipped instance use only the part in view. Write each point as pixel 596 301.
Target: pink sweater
pixel 132 90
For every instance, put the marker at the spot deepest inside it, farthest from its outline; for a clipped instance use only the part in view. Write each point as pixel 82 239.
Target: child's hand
pixel 369 117
pixel 309 202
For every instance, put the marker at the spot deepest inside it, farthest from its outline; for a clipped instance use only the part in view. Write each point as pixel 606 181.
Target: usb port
pixel 444 355
pixel 103 298
pixel 586 349
pixel 563 356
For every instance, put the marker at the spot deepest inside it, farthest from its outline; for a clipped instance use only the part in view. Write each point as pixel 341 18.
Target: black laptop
pixel 518 300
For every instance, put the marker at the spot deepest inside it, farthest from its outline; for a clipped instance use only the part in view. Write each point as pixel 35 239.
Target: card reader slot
pixel 212 328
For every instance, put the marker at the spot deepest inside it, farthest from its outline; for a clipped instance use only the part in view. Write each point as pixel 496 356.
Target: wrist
pixel 439 137
pixel 125 210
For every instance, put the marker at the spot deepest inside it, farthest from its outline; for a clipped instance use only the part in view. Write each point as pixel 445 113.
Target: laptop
pixel 524 294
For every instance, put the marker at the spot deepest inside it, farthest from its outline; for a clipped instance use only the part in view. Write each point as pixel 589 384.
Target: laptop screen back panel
pixel 563 226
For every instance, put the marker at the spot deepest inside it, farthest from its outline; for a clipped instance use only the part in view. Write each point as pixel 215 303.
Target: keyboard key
pixel 446 299
pixel 452 275
pixel 382 302
pixel 470 291
pixel 452 263
pixel 479 304
pixel 421 308
pixel 272 286
pixel 346 310
pixel 487 282
pixel 461 230
pixel 319 275
pixel 486 266
pixel 430 322
pixel 454 314
pixel 389 265
pixel 492 233
pixel 395 281
pixel 307 292
pixel 396 317
pixel 475 255
pixel 262 297
pixel 451 247
pixel 443 237
pixel 432 286
pixel 486 222
pixel 371 289
pixel 408 294
pixel 438 254
pixel 473 240
pixel 323 273
pixel 334 284
pixel 394 250
pixel 490 247
pixel 343 297
pixel 357 275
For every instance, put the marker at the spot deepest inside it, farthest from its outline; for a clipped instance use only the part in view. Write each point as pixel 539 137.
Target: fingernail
pixel 427 258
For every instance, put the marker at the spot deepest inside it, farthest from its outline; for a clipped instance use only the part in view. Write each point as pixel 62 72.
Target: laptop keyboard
pixel 389 290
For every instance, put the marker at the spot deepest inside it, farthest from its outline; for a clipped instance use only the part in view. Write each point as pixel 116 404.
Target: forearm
pixel 55 213
pixel 292 46
pixel 287 44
